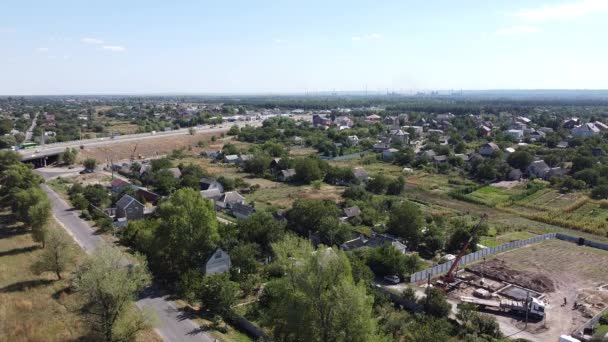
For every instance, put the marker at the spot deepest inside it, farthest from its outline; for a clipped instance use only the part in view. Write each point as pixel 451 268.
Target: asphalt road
pixel 30 131
pixel 174 324
pixel 56 148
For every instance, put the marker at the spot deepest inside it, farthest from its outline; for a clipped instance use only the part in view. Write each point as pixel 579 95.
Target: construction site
pixel 538 292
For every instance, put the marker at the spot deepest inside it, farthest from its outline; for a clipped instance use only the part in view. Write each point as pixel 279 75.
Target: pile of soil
pixel 497 269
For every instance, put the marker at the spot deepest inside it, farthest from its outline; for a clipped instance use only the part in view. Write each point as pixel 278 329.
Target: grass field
pixel 32 307
pixel 490 241
pixel 282 196
pixel 38 307
pixel 491 196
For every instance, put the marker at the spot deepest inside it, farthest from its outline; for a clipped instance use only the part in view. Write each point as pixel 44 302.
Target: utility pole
pixel 527 308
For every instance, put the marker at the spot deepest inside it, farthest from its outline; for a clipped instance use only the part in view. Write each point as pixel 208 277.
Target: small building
pixel 440 159
pixel 147 195
pixel 538 169
pixel 219 262
pixel 117 185
pixel 361 174
pixel 210 184
pixel 231 159
pixel 601 126
pixel 389 154
pixel 176 172
pixel 241 211
pixel 515 133
pixel 571 123
pixel 488 149
pixel 381 147
pixel 484 131
pixel 351 212
pixel 562 144
pixel 318 120
pixel 398 135
pixel 373 118
pixel 211 194
pixel 286 175
pixel 229 198
pixel 129 208
pixel 586 130
pixel 353 140
pixel 537 135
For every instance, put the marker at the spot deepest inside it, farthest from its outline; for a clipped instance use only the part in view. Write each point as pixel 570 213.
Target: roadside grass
pixel 205 322
pixel 490 241
pixel 34 307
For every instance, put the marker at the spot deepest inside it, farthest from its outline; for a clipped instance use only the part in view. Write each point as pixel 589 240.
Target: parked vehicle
pixel 393 279
pixel 535 308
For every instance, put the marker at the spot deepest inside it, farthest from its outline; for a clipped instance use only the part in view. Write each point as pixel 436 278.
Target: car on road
pixel 393 279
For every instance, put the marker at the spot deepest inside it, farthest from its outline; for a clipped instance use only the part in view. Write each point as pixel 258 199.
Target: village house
pixel 286 175
pixel 231 159
pixel 117 185
pixel 229 198
pixel 488 149
pixel 398 135
pixel 389 153
pixel 129 208
pixel 241 211
pixel 538 169
pixel 210 184
pixel 515 133
pixel 373 118
pixel 318 120
pixel 219 262
pixel 176 172
pixel 361 174
pixel 353 140
pixel 484 131
pixel 351 212
pixel 586 130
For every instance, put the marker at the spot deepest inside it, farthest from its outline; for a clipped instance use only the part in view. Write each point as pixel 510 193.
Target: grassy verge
pixel 33 307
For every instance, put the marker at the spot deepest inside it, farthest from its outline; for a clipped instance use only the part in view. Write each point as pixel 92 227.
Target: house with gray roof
pixel 538 169
pixel 286 175
pixel 241 211
pixel 218 262
pixel 129 208
pixel 210 184
pixel 228 199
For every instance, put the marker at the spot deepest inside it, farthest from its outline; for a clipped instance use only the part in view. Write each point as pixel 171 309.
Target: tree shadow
pixel 19 250
pixel 10 232
pixel 23 285
pixel 67 290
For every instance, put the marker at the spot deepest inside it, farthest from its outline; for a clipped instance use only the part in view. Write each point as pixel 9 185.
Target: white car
pixel 393 279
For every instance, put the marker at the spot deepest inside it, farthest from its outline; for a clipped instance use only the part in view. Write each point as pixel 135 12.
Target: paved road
pixel 174 326
pixel 30 131
pixel 51 149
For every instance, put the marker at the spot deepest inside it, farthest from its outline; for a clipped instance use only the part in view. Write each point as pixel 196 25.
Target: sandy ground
pixel 576 273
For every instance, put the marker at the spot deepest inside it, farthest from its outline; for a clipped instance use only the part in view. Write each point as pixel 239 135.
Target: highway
pixel 55 148
pixel 174 324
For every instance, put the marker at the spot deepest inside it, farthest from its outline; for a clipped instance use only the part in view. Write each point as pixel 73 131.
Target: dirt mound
pixel 498 269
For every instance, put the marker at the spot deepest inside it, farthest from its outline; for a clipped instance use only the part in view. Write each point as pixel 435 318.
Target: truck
pixel 535 307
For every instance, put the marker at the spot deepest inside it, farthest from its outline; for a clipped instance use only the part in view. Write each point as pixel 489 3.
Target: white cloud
pixel 371 36
pixel 92 41
pixel 517 30
pixel 564 11
pixel 280 41
pixel 42 49
pixel 115 48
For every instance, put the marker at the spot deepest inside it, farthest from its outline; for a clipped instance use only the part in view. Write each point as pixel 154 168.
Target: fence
pixel 580 332
pixel 346 156
pixel 472 257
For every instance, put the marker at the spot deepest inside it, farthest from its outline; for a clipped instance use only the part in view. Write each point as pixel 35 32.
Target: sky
pixel 283 46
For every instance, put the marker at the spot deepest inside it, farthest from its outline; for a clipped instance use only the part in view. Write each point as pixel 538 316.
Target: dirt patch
pixel 498 269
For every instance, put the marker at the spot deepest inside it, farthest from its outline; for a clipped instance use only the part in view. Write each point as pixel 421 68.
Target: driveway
pixel 174 325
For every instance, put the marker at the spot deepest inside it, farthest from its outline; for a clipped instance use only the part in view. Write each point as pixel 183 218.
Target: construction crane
pixel 450 277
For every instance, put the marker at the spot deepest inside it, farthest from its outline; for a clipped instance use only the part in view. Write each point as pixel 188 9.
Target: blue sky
pixel 132 46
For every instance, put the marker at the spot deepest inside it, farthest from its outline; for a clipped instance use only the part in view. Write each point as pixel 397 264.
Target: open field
pixel 372 168
pixel 567 271
pixel 37 307
pixel 493 241
pixel 33 307
pixel 492 196
pixel 150 147
pixel 282 196
pixel 122 127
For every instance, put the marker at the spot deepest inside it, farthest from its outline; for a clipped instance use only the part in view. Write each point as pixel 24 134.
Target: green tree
pixel 234 130
pixel 600 192
pixel 33 208
pixel 318 300
pixel 333 232
pixel 308 170
pixel 109 288
pixel 57 256
pixel 396 186
pixel 520 159
pixel 262 229
pixel 90 164
pixel 460 234
pixel 218 294
pixel 405 220
pixel 97 195
pixel 68 156
pixel 187 233
pixel 164 182
pixel 435 303
pixel 378 184
pixel 305 216
pixel 258 164
pixel 79 202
